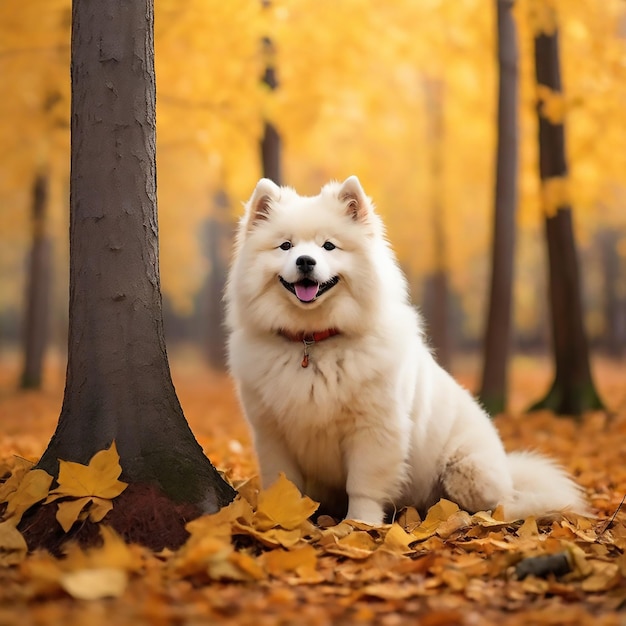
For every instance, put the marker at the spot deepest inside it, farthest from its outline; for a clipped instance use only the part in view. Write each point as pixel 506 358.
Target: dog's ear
pixel 352 194
pixel 260 203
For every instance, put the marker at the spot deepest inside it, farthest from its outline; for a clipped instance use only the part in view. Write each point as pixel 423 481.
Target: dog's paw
pixel 366 510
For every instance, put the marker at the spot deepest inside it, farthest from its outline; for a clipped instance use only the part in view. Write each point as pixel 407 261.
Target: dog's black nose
pixel 305 263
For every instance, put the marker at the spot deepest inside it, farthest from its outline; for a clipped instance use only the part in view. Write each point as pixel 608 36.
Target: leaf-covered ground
pixel 261 561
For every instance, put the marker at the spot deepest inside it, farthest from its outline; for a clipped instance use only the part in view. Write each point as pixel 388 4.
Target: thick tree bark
pixel 118 384
pixel 36 325
pixel 573 390
pixel 493 388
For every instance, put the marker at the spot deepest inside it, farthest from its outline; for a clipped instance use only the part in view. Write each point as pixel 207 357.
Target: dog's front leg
pixel 375 466
pixel 275 458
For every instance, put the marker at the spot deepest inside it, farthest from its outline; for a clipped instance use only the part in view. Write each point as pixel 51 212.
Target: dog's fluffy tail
pixel 541 488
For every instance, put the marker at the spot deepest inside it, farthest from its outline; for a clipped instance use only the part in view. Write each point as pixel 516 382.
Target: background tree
pixel 118 384
pixel 497 342
pixel 36 326
pixel 270 143
pixel 572 390
pixel 436 289
pixel 218 236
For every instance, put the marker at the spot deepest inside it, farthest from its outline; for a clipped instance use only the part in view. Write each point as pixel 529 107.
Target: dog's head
pixel 307 263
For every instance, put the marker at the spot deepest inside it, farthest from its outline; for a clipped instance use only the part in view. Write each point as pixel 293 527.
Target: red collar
pixel 308 339
pixel 313 337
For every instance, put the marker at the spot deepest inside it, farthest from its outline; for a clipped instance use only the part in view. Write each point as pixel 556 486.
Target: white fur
pixel 373 422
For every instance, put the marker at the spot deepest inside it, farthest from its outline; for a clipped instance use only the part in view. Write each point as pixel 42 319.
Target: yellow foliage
pixel 93 486
pixel 33 488
pixel 352 98
pixel 282 505
pixel 554 195
pixel 552 104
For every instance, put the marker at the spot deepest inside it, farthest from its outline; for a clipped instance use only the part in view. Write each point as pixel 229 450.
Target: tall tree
pixel 437 290
pixel 614 298
pixel 36 325
pixel 118 384
pixel 573 390
pixel 493 388
pixel 271 143
pixel 218 241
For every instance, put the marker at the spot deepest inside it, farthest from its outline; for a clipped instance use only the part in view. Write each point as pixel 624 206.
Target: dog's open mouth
pixel 307 290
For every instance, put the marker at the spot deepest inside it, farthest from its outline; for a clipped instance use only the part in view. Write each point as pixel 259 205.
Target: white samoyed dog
pixel 337 382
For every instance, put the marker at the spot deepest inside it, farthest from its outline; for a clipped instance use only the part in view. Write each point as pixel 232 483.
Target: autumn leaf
pixel 95 584
pixel 13 547
pixel 438 513
pixel 32 489
pixel 283 505
pixel 398 540
pixel 98 478
pixel 302 562
pixel 17 473
pixel 90 488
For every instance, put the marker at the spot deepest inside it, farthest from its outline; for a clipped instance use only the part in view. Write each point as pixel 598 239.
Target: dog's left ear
pixel 260 204
pixel 357 204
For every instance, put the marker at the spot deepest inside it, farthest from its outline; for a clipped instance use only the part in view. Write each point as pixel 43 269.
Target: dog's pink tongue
pixel 306 292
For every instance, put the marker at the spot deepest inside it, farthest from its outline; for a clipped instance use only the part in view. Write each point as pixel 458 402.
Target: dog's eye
pixel 285 245
pixel 329 246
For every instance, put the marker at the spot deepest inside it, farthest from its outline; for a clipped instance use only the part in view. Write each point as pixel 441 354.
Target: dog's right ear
pixel 260 204
pixel 357 205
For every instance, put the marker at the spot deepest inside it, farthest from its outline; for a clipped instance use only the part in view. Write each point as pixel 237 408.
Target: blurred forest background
pixel 404 94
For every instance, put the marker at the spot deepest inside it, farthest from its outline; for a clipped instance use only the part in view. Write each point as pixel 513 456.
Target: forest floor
pixel 261 562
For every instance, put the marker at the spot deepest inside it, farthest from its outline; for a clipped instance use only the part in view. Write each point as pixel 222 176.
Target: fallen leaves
pixel 262 561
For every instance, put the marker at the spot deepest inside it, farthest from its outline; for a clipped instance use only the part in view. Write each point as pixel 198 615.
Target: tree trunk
pixel 38 293
pixel 271 144
pixel 572 391
pixel 118 384
pixel 493 389
pixel 219 236
pixel 614 302
pixel 437 309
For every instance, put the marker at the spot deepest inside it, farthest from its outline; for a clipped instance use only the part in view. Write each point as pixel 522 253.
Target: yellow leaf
pixel 98 479
pixel 482 518
pixel 409 519
pixel 69 512
pixel 398 540
pixel 95 584
pixel 529 528
pixel 99 508
pixel 437 514
pixel 357 545
pixel 247 565
pixel 13 547
pixel 32 489
pixel 273 537
pixel 21 468
pixel 302 562
pixel 193 559
pixel 283 505
pixel 220 524
pixel 456 521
